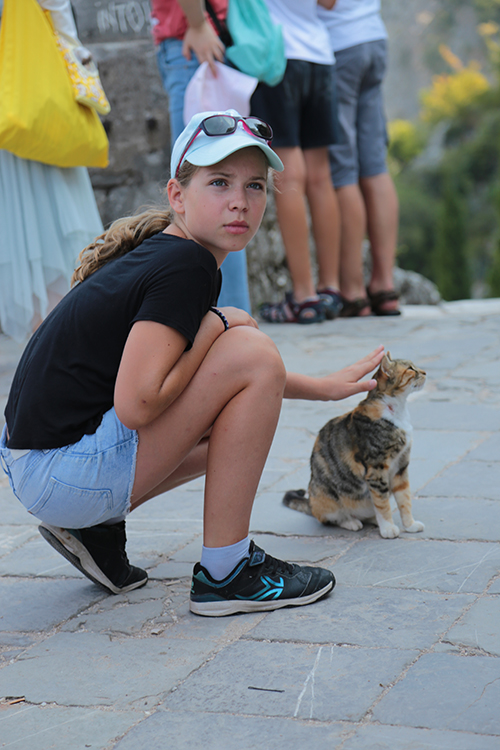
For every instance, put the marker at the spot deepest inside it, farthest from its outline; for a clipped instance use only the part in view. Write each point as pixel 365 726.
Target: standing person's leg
pixel 376 184
pixel 382 210
pixel 350 67
pixel 292 217
pixel 176 72
pixel 353 230
pixel 318 130
pixel 281 106
pixel 325 218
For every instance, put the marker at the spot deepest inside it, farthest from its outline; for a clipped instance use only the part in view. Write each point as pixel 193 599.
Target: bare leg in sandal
pixel 370 207
pixel 306 180
pixel 353 229
pixel 382 211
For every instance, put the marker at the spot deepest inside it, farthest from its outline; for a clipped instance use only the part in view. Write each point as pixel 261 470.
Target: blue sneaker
pixel 257 584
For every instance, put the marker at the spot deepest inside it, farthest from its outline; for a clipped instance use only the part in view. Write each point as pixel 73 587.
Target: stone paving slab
pixel 37 559
pixel 386 618
pixel 494 588
pixel 479 627
pixel 58 728
pixel 489 450
pixel 302 681
pixel 185 731
pixel 123 673
pixel 375 737
pixel 11 510
pixel 461 417
pixel 459 518
pixel 28 605
pixel 453 567
pixel 446 690
pixel 12 537
pixel 473 479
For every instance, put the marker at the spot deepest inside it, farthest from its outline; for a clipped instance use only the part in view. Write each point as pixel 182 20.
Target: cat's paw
pixel 352 524
pixel 415 526
pixel 388 530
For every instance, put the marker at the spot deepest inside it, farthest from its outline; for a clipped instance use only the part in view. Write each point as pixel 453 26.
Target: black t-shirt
pixel 66 377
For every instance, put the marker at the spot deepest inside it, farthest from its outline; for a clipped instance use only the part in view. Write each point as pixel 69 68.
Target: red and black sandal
pixel 311 310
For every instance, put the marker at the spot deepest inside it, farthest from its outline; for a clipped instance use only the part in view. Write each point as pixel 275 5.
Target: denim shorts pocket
pixel 71 507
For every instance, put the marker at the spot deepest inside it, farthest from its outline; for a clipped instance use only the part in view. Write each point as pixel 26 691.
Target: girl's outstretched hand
pixel 346 382
pixel 342 384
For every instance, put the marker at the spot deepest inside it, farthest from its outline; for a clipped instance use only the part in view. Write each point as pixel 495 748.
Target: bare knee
pixel 256 355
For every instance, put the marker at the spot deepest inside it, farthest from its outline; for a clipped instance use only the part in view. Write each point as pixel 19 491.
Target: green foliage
pixel 406 141
pixel 451 94
pixel 493 277
pixel 417 221
pixel 450 208
pixel 451 268
pixel 488 10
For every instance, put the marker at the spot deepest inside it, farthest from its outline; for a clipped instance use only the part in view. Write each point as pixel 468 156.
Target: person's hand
pixel 346 382
pixel 236 317
pixel 206 45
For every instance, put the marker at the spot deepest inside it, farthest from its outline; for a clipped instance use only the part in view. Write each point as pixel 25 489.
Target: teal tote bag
pixel 258 48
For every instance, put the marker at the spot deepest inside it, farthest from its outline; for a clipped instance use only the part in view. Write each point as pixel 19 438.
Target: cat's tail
pixel 297 500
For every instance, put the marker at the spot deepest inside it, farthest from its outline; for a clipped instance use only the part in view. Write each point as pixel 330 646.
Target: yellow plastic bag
pixel 39 117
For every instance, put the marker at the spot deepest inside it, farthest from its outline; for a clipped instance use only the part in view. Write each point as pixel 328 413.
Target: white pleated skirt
pixel 47 216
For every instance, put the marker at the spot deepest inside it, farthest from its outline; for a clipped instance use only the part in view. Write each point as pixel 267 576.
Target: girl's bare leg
pixel 237 391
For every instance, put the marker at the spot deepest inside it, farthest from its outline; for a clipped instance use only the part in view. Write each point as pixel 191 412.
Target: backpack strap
pixel 221 27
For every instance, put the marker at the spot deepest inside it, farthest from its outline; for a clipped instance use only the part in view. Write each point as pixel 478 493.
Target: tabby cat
pixel 359 459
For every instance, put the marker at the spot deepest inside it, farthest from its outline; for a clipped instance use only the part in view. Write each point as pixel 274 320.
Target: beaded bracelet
pixel 221 316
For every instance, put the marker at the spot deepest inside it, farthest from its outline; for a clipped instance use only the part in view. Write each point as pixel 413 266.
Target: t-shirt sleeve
pixel 179 293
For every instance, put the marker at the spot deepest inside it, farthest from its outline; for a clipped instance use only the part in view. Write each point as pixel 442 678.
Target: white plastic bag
pixel 229 90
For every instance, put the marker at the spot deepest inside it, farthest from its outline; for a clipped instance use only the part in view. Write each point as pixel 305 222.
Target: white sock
pixel 220 561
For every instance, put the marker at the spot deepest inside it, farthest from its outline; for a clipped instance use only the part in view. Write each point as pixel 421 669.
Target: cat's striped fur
pixel 361 458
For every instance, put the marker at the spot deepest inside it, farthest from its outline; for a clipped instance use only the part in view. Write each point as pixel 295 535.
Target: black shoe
pixel 99 553
pixel 257 584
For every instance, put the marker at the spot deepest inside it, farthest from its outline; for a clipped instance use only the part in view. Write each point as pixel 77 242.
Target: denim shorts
pixel 79 485
pixel 362 145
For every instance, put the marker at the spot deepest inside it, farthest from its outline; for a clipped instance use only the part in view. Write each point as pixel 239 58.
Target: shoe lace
pixel 278 566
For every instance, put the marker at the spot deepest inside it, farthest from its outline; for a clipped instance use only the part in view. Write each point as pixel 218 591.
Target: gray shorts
pixel 79 485
pixel 362 145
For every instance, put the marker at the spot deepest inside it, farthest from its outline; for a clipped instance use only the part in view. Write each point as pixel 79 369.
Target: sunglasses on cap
pixel 218 125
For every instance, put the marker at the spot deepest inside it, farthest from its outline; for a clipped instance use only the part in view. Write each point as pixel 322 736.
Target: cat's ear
pixel 385 364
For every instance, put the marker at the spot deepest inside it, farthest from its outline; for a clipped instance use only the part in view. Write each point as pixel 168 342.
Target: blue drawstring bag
pixel 258 48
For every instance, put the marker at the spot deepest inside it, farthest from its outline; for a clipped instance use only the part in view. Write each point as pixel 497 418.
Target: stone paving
pixel 403 655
